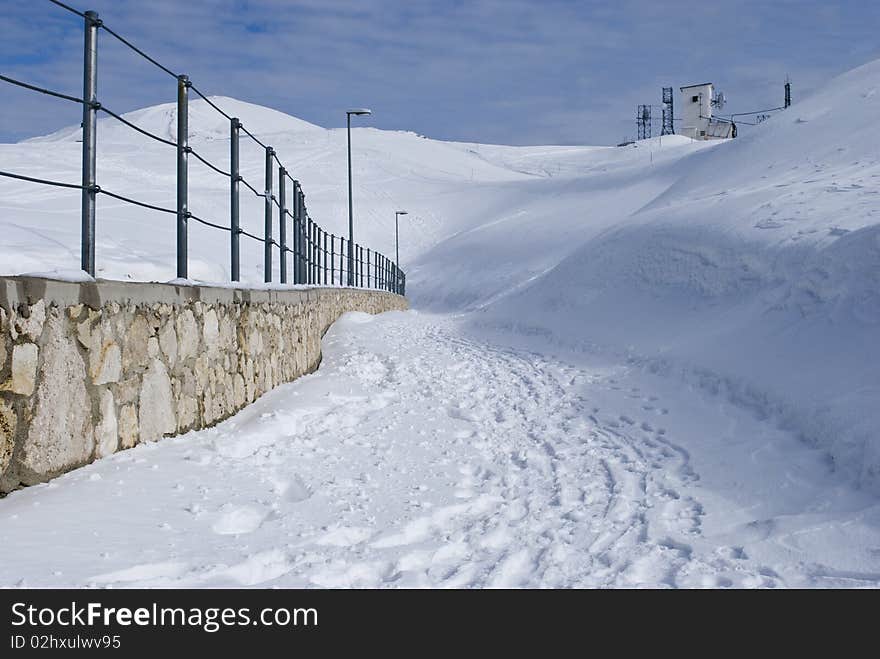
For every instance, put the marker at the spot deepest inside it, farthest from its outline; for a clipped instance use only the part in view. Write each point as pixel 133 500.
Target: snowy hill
pixel 649 365
pixel 756 273
pixel 205 123
pixel 751 266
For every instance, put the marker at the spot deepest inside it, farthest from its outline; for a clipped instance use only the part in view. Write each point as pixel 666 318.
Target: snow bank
pixel 756 274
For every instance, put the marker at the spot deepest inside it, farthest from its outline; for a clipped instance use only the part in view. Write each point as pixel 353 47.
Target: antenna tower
pixel 667 111
pixel 643 121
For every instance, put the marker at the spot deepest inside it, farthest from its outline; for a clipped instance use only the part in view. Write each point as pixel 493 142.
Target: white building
pixel 695 110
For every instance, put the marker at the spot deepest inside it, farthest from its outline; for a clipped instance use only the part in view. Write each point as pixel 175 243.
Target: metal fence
pixel 318 257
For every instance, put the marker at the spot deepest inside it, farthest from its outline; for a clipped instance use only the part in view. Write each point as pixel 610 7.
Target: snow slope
pixel 649 365
pixel 757 273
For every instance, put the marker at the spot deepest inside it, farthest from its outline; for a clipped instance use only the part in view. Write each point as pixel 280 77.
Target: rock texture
pixel 89 369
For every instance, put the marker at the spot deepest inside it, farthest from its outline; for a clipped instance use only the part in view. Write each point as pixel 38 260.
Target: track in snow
pixel 417 456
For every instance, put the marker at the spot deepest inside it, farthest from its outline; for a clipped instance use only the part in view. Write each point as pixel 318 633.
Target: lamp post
pixel 397 215
pixel 348 113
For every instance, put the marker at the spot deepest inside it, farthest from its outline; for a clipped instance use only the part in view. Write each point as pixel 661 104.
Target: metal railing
pixel 314 261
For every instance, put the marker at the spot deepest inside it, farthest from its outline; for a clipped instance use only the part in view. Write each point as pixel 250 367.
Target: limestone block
pixel 249 383
pixel 107 430
pixel 207 408
pixel 74 311
pixel 156 416
pixel 187 335
pixel 168 342
pixel 84 333
pixel 8 424
pixel 24 370
pixel 202 369
pixel 211 330
pixel 29 321
pixel 128 426
pixel 255 342
pixel 105 362
pixel 238 392
pixel 187 413
pixel 227 332
pixel 135 349
pixel 127 391
pixel 60 434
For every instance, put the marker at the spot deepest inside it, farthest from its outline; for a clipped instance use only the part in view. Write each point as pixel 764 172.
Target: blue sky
pixel 507 71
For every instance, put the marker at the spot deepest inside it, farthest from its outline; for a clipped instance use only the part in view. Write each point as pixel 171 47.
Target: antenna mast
pixel 667 112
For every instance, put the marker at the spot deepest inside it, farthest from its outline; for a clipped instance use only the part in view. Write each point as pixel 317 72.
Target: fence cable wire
pixel 135 201
pixel 209 102
pixel 262 195
pixel 135 127
pixel 42 90
pixel 250 235
pixel 208 164
pixel 44 181
pixel 251 135
pixel 207 223
pixel 139 51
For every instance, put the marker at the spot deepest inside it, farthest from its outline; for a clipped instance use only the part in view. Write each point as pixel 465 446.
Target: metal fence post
pixel 303 238
pixel 234 178
pixel 310 251
pixel 267 229
pixel 316 253
pixel 183 85
pixel 360 266
pixel 332 259
pixel 368 267
pixel 341 260
pixel 325 258
pixel 89 135
pixel 296 236
pixel 316 264
pixel 294 199
pixel 310 255
pixel 282 223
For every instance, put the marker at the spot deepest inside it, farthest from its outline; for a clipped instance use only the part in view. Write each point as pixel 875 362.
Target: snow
pixel 653 365
pixel 422 456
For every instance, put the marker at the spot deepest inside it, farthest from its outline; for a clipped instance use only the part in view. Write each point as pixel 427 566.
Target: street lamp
pixel 397 215
pixel 348 113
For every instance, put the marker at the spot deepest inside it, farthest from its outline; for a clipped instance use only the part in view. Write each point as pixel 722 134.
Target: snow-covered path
pixel 420 456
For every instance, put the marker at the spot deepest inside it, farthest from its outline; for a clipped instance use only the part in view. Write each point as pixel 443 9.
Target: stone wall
pixel 88 369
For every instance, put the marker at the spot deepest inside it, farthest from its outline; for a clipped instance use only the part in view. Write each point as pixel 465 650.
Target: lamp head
pixel 359 111
pixel 401 213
